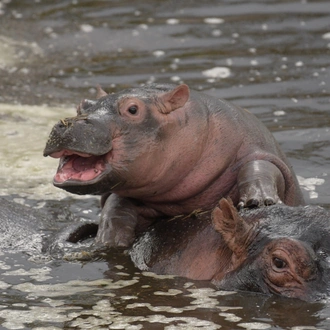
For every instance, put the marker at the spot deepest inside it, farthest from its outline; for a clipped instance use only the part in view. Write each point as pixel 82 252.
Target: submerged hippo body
pixel 274 250
pixel 21 227
pixel 162 150
pixel 39 233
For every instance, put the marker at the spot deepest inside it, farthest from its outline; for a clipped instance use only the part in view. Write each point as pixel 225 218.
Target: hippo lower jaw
pixel 82 173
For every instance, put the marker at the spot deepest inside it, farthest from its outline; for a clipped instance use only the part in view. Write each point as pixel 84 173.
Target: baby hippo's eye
pixel 133 109
pixel 279 263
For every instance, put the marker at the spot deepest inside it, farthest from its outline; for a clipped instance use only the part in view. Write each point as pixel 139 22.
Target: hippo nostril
pixel 252 203
pixel 84 106
pixel 269 201
pixel 61 125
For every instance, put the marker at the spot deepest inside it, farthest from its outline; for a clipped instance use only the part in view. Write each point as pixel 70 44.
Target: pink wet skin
pixel 253 251
pixel 187 162
pixel 173 176
pixel 179 173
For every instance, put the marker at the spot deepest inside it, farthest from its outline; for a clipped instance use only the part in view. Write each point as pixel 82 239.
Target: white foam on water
pixel 150 274
pixel 254 325
pixel 254 62
pixel 230 317
pixel 310 184
pixel 217 72
pixel 87 28
pixel 4 285
pixel 326 35
pixel 175 78
pixel 170 292
pixel 37 274
pixel 213 20
pixel 204 297
pixel 216 33
pixel 306 327
pixel 158 53
pixel 8 51
pixel 172 21
pixel 279 113
pixel 24 131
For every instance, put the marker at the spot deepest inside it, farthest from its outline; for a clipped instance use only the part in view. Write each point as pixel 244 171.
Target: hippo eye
pixel 279 263
pixel 133 109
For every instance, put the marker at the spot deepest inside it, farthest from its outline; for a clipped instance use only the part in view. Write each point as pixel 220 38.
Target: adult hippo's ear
pixel 235 231
pixel 174 99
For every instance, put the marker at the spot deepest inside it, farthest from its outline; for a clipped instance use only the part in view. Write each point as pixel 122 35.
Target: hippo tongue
pixel 77 168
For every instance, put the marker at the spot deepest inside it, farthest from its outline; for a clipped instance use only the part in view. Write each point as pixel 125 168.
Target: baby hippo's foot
pixel 118 222
pixel 260 183
pixel 116 232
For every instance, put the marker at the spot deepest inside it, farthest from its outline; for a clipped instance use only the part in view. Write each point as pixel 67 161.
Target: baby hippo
pixel 157 151
pixel 273 250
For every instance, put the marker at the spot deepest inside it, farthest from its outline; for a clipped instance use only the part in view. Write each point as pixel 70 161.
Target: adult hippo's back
pixel 162 150
pixel 277 249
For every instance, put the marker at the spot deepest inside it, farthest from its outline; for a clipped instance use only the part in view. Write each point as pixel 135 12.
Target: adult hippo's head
pixel 279 249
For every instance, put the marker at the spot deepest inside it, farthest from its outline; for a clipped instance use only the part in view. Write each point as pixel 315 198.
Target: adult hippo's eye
pixel 279 263
pixel 133 109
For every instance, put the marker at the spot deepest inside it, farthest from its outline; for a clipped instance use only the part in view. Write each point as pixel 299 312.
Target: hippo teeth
pixel 66 152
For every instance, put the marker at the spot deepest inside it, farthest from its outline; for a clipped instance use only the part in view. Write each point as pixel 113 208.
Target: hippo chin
pixel 273 250
pixel 161 150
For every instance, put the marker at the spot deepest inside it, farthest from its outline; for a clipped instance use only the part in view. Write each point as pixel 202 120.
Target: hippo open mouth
pixel 84 173
pixel 79 167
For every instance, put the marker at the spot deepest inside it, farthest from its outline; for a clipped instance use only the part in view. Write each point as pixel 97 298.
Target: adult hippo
pixel 274 250
pixel 21 227
pixel 38 232
pixel 277 249
pixel 162 150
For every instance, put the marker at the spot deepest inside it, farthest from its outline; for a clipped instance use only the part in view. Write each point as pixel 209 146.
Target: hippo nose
pixel 68 122
pixel 61 135
pixel 55 139
pixel 83 134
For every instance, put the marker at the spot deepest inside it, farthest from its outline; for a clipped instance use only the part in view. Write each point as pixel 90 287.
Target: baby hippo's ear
pixel 100 92
pixel 235 231
pixel 174 99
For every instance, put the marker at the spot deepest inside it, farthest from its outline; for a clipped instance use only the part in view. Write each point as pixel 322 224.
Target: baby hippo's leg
pixel 260 183
pixel 118 222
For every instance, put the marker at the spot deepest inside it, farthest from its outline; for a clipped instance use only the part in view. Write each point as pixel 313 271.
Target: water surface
pixel 272 57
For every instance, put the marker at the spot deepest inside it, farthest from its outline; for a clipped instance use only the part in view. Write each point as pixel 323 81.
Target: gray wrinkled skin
pixel 250 251
pixel 21 227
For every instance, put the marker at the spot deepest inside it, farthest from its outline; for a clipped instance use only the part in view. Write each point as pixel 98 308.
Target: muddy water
pixel 272 57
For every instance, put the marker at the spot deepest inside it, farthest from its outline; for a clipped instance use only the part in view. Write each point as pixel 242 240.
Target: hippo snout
pixel 62 137
pixel 79 134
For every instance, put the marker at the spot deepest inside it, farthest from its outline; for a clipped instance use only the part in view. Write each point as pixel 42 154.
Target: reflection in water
pixel 272 58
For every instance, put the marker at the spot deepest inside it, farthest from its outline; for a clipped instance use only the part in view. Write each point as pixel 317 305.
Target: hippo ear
pixel 100 92
pixel 174 99
pixel 236 233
